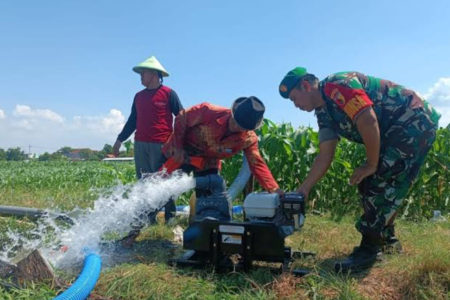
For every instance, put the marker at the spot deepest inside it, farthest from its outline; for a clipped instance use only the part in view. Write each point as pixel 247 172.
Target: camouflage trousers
pixel 403 150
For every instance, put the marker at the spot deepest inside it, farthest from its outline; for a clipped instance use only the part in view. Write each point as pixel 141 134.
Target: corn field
pixel 59 184
pixel 289 153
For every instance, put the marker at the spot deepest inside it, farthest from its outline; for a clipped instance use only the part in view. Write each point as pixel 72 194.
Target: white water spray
pixel 116 213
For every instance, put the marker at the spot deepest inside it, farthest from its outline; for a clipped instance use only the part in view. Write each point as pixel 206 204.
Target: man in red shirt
pixel 151 117
pixel 214 133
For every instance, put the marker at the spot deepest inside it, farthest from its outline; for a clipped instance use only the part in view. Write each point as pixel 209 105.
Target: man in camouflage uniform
pixel 397 127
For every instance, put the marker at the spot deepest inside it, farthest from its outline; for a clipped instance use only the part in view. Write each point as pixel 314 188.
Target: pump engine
pixel 213 237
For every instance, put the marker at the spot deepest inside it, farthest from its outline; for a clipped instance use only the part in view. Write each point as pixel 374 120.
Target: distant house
pixel 80 154
pixel 73 156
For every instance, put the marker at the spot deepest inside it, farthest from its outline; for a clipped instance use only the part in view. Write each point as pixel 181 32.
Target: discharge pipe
pixel 21 211
pixel 32 213
pixel 87 280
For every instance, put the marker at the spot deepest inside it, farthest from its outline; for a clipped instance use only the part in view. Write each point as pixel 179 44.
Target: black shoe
pixel 391 243
pixel 362 258
pixel 392 246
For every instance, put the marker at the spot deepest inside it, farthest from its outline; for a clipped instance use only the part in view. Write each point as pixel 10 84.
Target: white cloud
pixel 440 92
pixel 45 114
pixel 445 116
pixel 22 124
pixel 439 96
pixel 111 123
pixel 48 131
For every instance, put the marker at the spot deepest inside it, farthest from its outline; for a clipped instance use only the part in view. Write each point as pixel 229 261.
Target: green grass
pixel 421 272
pixel 61 185
pixel 288 152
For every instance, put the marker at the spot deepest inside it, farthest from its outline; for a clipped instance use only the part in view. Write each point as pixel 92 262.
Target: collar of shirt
pixel 224 120
pixel 232 136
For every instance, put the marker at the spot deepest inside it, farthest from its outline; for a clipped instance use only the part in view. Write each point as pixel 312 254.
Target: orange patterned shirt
pixel 201 130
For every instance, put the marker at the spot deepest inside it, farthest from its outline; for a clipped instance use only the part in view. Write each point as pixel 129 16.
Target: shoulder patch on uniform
pixel 334 92
pixel 351 101
pixel 337 97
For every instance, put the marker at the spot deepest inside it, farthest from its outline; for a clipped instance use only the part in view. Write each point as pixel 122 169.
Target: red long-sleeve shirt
pixel 202 131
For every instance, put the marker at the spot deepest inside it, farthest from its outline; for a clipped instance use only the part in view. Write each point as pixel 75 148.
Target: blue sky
pixel 65 66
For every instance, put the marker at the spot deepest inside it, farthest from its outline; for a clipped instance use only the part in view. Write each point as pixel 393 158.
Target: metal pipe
pixel 21 211
pixel 33 213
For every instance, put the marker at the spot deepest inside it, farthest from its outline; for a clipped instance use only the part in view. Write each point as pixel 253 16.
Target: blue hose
pixel 85 283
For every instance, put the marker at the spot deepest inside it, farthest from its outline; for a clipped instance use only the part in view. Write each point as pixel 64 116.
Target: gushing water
pixel 115 214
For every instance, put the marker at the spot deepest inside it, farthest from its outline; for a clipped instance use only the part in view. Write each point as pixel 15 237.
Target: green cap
pixel 290 80
pixel 151 63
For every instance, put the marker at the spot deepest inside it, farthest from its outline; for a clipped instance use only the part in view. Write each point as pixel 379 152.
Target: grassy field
pixel 421 272
pixel 288 152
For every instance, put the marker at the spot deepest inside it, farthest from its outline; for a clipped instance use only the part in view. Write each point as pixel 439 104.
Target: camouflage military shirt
pixel 347 94
pixel 406 136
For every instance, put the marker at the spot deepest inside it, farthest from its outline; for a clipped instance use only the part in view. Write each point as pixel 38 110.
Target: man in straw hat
pixel 396 126
pixel 213 133
pixel 151 117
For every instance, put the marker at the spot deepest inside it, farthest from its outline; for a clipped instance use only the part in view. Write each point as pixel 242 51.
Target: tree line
pixel 66 153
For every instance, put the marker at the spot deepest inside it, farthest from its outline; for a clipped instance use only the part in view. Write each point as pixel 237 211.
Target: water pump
pixel 213 238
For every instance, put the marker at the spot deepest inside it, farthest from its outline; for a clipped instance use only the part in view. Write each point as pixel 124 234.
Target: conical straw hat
pixel 150 64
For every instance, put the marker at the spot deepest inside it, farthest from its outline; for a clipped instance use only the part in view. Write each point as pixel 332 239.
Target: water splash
pixel 114 214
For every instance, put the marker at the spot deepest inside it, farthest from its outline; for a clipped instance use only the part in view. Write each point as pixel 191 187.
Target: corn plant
pixel 289 154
